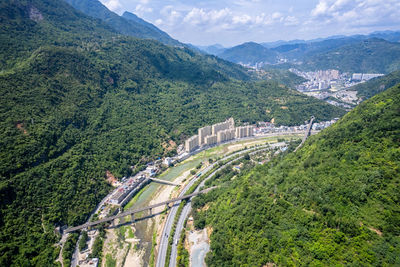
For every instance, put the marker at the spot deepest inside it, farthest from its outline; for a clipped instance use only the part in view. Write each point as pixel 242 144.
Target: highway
pixel 74 259
pixel 162 251
pixel 307 133
pixel 188 207
pixel 75 255
pixel 132 212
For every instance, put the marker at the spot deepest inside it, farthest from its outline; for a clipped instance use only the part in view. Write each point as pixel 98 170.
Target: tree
pixel 83 241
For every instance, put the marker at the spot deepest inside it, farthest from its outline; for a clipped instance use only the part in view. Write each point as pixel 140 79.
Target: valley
pixel 143 230
pixel 125 144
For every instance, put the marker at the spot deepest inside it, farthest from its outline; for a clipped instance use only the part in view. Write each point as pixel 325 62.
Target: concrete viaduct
pixel 307 134
pixel 132 212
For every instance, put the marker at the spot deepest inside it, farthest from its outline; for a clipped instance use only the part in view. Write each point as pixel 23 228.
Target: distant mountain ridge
pixel 214 49
pixel 128 24
pixel 320 53
pixel 368 56
pixel 249 54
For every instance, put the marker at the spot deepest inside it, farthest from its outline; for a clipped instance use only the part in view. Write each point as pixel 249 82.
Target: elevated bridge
pixel 164 182
pixel 132 212
pixel 307 134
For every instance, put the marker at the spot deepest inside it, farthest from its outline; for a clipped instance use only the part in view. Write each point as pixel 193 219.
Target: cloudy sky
pixel 231 22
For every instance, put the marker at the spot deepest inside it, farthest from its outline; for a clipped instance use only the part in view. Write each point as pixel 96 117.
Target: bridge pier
pixel 111 220
pixel 132 218
pixel 122 220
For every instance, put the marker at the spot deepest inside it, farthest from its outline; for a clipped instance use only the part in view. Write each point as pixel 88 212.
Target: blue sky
pixel 233 22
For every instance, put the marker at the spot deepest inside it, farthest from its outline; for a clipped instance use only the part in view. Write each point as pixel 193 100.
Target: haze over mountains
pixel 356 53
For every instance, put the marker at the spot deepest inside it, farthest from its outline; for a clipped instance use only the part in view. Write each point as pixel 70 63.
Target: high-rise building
pixel 228 124
pixel 244 131
pixel 225 135
pixel 192 143
pixel 203 133
pixel 211 140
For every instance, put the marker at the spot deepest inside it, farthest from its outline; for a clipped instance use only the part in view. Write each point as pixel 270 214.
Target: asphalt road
pixel 162 251
pixel 186 210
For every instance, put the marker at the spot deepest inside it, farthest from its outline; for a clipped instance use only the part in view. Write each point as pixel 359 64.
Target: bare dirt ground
pixel 198 246
pixel 134 258
pixel 164 194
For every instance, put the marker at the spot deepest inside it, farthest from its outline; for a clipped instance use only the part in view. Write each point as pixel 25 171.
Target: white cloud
pixel 159 22
pixel 225 19
pixel 171 17
pixel 291 21
pixel 113 5
pixel 199 16
pixel 356 15
pixel 320 9
pixel 143 9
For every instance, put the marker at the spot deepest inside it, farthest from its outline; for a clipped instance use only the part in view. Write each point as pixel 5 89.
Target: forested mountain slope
pixel 368 56
pixel 128 24
pixel 336 201
pixel 77 99
pixel 249 53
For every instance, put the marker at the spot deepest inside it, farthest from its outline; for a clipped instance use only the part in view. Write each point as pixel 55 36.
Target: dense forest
pixel 128 23
pixel 77 99
pixel 334 202
pixel 369 56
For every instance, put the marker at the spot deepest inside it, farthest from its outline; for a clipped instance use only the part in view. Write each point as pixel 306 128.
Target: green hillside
pixel 128 24
pixel 249 53
pixel 377 85
pixel 369 56
pixel 282 76
pixel 334 202
pixel 79 99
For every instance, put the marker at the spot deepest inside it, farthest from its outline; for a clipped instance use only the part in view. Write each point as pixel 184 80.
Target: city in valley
pixel 189 133
pixel 332 86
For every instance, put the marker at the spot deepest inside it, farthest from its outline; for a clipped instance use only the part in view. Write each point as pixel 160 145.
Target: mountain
pixel 300 51
pixel 368 56
pixel 249 54
pixel 282 76
pixel 281 42
pixel 335 201
pixel 128 24
pixel 153 31
pixel 212 49
pixel 79 100
pixel 391 36
pixel 376 85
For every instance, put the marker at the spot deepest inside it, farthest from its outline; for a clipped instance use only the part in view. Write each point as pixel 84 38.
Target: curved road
pixel 162 251
pixel 188 207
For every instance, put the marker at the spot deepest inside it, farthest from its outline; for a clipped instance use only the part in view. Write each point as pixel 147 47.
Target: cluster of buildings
pixel 129 187
pixel 217 133
pixel 332 86
pixel 365 76
pixel 270 128
pixel 319 80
